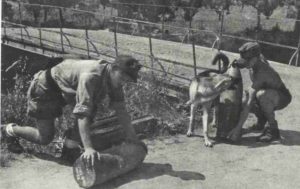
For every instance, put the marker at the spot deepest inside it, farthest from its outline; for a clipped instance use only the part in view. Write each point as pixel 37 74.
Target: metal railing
pixel 116 20
pixel 46 43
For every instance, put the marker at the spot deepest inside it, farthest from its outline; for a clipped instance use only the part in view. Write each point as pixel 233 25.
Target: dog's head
pixel 224 81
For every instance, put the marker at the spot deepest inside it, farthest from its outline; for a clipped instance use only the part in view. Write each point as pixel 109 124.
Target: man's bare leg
pixel 42 134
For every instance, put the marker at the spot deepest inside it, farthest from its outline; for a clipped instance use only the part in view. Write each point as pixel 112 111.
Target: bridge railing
pixel 116 20
pixel 189 31
pixel 49 39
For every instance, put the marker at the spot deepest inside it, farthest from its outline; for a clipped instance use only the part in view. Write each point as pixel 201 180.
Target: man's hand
pixel 89 156
pixel 235 134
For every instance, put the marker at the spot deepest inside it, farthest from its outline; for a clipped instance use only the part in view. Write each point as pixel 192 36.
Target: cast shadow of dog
pixel 148 171
pixel 288 138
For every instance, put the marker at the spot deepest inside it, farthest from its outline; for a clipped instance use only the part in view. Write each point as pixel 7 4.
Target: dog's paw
pixel 189 133
pixel 207 143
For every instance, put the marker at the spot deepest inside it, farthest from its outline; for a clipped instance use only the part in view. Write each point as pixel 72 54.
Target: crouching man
pixel 266 94
pixel 83 84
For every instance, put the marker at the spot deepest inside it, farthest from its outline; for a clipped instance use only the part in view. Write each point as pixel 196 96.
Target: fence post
pixel 115 36
pixel 4 30
pixel 104 17
pixel 61 30
pixel 40 37
pixel 139 24
pixel 111 11
pixel 297 57
pixel 221 37
pixel 150 45
pixel 87 38
pixel 151 52
pixel 20 22
pixel 163 26
pixel 194 56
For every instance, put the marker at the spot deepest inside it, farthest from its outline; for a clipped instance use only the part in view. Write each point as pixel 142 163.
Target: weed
pixel 6 157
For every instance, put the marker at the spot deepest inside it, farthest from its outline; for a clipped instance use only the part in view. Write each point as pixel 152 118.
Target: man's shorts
pixel 43 102
pixel 285 98
pixel 279 98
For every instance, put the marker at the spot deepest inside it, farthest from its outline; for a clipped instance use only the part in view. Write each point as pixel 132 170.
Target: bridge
pixel 167 59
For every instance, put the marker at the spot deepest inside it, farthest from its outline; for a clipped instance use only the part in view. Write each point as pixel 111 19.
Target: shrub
pixel 14 103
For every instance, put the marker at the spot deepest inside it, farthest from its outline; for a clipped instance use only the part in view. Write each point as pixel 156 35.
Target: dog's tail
pixel 225 60
pixel 193 89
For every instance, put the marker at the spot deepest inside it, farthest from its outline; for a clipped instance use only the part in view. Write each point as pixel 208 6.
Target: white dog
pixel 204 89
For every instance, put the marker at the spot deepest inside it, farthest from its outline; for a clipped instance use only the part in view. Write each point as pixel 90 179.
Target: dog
pixel 204 90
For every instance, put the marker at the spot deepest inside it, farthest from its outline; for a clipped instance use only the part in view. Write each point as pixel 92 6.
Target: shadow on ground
pixel 48 157
pixel 149 171
pixel 288 138
pixel 143 172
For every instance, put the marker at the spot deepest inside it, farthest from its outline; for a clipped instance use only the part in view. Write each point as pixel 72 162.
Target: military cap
pixel 251 47
pixel 247 51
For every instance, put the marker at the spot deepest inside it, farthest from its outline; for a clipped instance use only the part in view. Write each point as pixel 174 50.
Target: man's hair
pixel 124 61
pixel 129 65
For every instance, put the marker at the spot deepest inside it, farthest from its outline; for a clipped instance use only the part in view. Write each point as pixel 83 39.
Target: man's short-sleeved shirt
pixel 85 83
pixel 263 76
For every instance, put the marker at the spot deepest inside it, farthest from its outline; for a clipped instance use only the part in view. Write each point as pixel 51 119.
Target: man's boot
pixel 13 144
pixel 270 133
pixel 261 119
pixel 260 124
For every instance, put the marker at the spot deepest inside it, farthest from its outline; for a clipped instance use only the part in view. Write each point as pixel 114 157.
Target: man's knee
pixel 267 99
pixel 46 131
pixel 45 140
pixel 261 94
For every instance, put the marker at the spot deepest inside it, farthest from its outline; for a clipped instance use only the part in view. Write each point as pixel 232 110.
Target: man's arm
pixel 124 119
pixel 235 134
pixel 246 108
pixel 84 130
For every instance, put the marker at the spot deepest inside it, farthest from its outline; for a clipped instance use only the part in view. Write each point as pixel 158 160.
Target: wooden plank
pixel 141 125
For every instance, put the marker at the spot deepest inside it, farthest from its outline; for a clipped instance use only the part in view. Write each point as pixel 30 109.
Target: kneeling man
pixel 82 84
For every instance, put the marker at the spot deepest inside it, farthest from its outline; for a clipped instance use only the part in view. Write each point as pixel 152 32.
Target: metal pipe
pixel 40 37
pixel 221 37
pixel 87 38
pixel 61 30
pixel 20 21
pixel 150 45
pixel 297 57
pixel 194 56
pixel 87 42
pixel 4 30
pixel 103 16
pixel 163 26
pixel 115 36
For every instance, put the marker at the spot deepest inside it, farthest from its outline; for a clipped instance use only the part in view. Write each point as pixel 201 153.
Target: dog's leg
pixel 190 131
pixel 206 109
pixel 215 113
